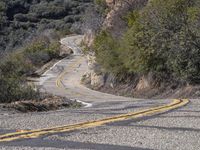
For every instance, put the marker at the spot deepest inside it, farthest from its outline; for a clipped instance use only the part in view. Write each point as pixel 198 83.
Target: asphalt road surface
pixel 175 130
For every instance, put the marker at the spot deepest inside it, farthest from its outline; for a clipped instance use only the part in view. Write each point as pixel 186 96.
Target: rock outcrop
pixel 89 38
pixel 116 25
pixel 115 19
pixel 95 78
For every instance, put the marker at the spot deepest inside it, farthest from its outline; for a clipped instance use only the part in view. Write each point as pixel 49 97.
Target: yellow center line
pixel 133 115
pixel 25 134
pixel 67 70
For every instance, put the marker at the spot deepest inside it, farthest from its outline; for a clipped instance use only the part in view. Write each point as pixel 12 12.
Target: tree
pixel 165 37
pixel 106 51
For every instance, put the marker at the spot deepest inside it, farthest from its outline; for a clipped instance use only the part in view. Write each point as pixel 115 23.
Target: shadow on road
pixel 38 143
pixel 130 123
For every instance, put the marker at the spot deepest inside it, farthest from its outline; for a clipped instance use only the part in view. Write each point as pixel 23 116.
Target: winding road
pixel 106 122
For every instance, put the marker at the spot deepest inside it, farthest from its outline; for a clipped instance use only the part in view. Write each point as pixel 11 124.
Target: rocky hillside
pixel 97 77
pixel 147 49
pixel 115 20
pixel 30 31
pixel 20 20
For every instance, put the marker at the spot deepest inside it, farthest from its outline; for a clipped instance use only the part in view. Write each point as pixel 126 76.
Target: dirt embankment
pixel 46 104
pixel 148 86
pixel 142 89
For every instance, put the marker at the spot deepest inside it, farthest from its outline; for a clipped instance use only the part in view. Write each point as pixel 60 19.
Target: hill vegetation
pixel 30 31
pixel 162 38
pixel 16 66
pixel 21 20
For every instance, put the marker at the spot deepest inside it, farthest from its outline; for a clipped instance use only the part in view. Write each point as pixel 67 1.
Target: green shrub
pixel 15 67
pixel 41 51
pixel 2 6
pixel 106 51
pixel 171 30
pixel 13 71
pixel 163 37
pixel 101 6
pixel 15 89
pixel 21 20
pixel 2 9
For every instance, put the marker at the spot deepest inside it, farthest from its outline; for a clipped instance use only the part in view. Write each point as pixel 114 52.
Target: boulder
pixel 64 50
pixel 86 78
pixel 97 80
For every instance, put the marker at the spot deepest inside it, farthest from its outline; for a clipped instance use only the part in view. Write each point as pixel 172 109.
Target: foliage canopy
pixel 163 37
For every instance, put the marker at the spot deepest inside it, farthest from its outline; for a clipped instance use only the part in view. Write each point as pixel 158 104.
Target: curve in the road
pixel 41 132
pixel 63 81
pixel 60 85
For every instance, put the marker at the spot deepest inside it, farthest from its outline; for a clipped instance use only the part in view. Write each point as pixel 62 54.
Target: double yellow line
pixel 59 80
pixel 60 129
pixel 61 76
pixel 48 131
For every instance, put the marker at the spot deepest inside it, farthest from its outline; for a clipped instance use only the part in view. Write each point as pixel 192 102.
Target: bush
pixel 2 6
pixel 101 6
pixel 2 9
pixel 42 50
pixel 13 84
pixel 14 89
pixel 16 66
pixel 21 19
pixel 106 47
pixel 163 37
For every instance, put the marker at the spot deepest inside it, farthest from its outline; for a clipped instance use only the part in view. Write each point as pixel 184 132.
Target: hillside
pixel 30 31
pixel 135 48
pixel 20 20
pixel 147 49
